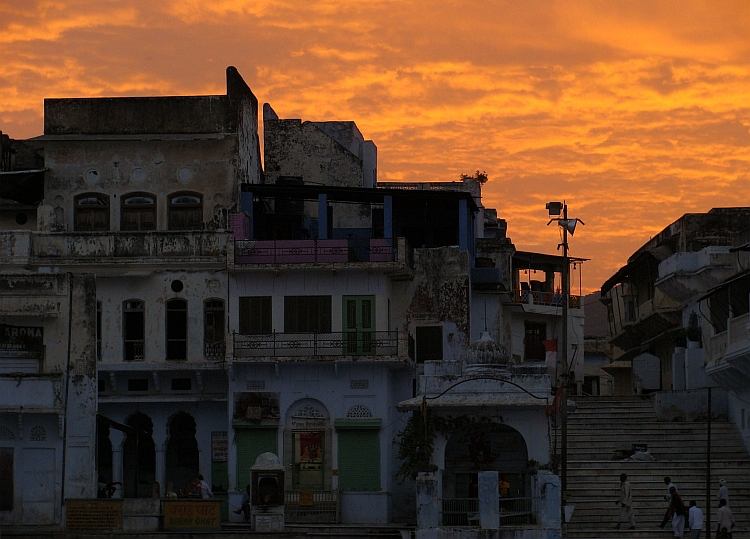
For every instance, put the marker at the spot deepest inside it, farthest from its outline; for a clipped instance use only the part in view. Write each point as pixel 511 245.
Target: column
pixel 489 501
pixel 118 439
pixel 463 225
pixel 428 505
pixel 388 218
pixel 160 444
pixel 323 216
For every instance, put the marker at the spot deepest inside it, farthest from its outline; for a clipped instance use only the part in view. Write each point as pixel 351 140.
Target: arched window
pixel 91 212
pixel 133 330
pixel 185 211
pixel 176 329
pixel 138 212
pixel 213 328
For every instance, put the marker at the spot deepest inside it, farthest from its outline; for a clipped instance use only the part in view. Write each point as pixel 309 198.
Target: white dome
pixel 486 351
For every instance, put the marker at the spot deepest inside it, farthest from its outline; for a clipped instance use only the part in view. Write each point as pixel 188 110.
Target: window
pixel 138 212
pixel 133 330
pixel 6 479
pixel 255 315
pixel 138 384
pixel 307 314
pixel 534 334
pixel 213 328
pixel 429 343
pixel 177 329
pixel 181 384
pixel 91 212
pixel 185 211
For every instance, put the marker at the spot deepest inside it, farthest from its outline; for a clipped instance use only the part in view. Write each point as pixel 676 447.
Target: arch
pixel 176 329
pixel 182 455
pixel 307 446
pixel 485 447
pixel 138 211
pixel 185 211
pixel 139 457
pixel 133 329
pixel 91 212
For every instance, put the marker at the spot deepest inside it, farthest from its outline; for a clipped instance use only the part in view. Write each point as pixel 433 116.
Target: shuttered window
pixel 250 444
pixel 359 459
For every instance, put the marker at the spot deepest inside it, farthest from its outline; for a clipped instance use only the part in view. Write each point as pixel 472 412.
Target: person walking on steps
pixel 723 491
pixel 724 521
pixel 668 498
pixel 695 520
pixel 626 503
pixel 678 510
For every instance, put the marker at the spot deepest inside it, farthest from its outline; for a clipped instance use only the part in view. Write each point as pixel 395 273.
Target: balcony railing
pixel 215 350
pixel 326 345
pixel 465 511
pixel 545 298
pixel 312 506
pixel 134 350
pixel 313 251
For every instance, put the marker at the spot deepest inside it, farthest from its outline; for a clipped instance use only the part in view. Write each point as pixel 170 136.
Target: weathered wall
pixel 158 167
pixel 80 415
pixel 296 148
pixel 438 294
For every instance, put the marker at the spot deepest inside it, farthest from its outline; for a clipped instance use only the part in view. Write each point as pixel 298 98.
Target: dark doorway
pixel 182 452
pixel 139 457
pixel 103 452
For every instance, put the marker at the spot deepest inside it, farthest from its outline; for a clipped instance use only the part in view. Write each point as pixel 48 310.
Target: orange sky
pixel 634 111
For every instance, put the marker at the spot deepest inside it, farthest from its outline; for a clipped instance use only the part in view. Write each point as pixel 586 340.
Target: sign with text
pixel 192 515
pixel 219 446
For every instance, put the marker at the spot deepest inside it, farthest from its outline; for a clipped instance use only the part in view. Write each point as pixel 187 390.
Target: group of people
pixel 677 513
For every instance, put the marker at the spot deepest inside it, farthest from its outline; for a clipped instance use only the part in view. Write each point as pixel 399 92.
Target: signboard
pixel 219 446
pixel 192 515
pixel 306 498
pixel 256 406
pixel 21 341
pixel 93 515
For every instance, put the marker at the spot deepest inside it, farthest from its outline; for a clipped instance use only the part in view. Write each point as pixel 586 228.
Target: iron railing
pixel 312 506
pixel 314 251
pixel 545 298
pixel 465 511
pixel 330 345
pixel 215 350
pixel 134 350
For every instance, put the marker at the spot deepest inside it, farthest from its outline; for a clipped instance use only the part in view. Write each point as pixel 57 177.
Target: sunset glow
pixel 634 112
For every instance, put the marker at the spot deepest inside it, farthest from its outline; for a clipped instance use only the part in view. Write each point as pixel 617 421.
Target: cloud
pixel 635 112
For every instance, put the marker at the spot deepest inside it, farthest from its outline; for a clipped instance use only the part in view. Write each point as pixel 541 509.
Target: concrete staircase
pixel 602 425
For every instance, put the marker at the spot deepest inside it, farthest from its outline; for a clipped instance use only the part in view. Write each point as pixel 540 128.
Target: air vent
pixel 256 385
pixel 359 384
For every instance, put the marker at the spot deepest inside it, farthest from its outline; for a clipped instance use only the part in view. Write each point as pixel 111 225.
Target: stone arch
pixel 490 447
pixel 182 454
pixel 139 457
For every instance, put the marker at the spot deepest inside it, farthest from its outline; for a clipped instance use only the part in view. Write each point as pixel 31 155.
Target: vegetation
pixel 481 177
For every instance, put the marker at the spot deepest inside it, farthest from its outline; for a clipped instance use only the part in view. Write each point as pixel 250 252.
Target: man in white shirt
pixel 695 520
pixel 205 489
pixel 724 520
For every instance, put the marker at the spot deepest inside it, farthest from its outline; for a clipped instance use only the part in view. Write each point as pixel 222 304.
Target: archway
pixel 308 445
pixel 139 457
pixel 488 447
pixel 183 461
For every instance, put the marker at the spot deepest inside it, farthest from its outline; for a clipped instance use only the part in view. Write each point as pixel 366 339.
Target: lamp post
pixel 567 225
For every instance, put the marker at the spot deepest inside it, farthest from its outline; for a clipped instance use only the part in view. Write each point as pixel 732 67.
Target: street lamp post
pixel 567 225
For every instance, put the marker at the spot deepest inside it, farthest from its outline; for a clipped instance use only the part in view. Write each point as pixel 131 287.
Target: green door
pixel 359 325
pixel 250 444
pixel 359 460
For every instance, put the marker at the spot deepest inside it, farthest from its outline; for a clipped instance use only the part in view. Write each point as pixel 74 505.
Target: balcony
pixel 313 251
pixel 683 276
pixel 322 346
pixel 62 248
pixel 729 354
pixel 553 299
pixel 41 392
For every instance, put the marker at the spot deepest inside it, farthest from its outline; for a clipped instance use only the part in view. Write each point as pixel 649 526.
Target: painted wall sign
pixel 192 515
pixel 219 446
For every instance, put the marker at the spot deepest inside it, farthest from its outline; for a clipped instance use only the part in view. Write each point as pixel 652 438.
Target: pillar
pixel 118 439
pixel 489 504
pixel 322 216
pixel 428 506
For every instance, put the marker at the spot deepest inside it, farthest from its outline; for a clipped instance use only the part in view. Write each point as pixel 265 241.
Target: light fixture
pixel 554 208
